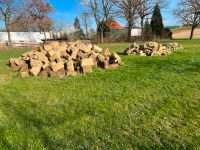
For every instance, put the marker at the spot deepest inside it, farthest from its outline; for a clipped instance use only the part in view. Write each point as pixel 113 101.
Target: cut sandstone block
pixel 44 73
pixel 116 56
pixel 12 61
pixel 97 49
pixel 114 66
pixel 35 71
pixel 24 74
pixel 56 56
pixel 41 57
pixel 57 66
pixel 19 62
pixel 101 58
pixel 105 65
pixel 58 74
pixel 70 65
pixel 47 47
pixel 86 48
pixel 72 73
pixel 51 53
pixel 36 63
pixel 87 69
pixel 15 67
pixel 87 62
pixel 74 53
pixel 45 65
pixel 106 53
pixel 24 68
pixel 82 55
pixel 54 44
pixel 54 74
pixel 62 73
pixel 61 48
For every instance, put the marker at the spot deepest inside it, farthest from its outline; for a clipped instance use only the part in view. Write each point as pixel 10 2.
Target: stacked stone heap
pixel 60 59
pixel 152 49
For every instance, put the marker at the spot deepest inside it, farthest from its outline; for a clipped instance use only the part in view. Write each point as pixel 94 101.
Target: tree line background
pixel 33 15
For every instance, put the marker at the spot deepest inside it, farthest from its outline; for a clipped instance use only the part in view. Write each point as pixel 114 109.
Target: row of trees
pixel 30 15
pixel 131 10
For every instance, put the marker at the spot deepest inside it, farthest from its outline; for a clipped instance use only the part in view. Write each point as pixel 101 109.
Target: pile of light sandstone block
pixel 59 59
pixel 152 49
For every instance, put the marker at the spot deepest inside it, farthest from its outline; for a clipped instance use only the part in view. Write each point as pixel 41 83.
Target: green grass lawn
pixel 149 103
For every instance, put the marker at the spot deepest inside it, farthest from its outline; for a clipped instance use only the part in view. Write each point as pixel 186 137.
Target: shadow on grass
pixel 4 141
pixel 27 116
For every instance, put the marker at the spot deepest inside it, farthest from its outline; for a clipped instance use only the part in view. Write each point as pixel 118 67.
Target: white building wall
pixel 136 32
pixel 24 36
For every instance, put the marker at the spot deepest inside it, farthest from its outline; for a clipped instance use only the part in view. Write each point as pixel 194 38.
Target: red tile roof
pixel 113 25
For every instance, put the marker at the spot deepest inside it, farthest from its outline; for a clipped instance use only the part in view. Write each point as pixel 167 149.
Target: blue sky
pixel 67 10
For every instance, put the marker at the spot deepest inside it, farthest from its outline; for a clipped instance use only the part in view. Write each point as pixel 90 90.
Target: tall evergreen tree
pixel 77 24
pixel 147 27
pixel 79 33
pixel 147 35
pixel 157 22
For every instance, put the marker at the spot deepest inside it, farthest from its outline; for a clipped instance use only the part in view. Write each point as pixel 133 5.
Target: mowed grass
pixel 149 103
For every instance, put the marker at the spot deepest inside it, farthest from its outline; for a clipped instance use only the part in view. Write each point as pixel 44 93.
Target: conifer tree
pixel 147 27
pixel 79 33
pixel 147 31
pixel 157 22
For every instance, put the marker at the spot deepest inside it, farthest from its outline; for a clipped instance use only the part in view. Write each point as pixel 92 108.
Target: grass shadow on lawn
pixel 29 115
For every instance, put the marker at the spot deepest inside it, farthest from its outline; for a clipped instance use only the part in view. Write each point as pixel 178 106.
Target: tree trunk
pixel 102 36
pixel 45 37
pixel 129 31
pixel 9 36
pixel 9 39
pixel 142 28
pixel 86 28
pixel 192 32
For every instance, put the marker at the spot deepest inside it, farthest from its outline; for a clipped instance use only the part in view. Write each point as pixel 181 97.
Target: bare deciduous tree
pixel 58 25
pixel 189 13
pixel 23 24
pixel 101 10
pixel 86 22
pixel 127 9
pixel 8 10
pixel 39 11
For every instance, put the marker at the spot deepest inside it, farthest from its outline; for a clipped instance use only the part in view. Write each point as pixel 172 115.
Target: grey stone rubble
pixel 59 59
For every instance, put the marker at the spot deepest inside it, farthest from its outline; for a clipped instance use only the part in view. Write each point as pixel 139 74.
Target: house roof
pixel 113 25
